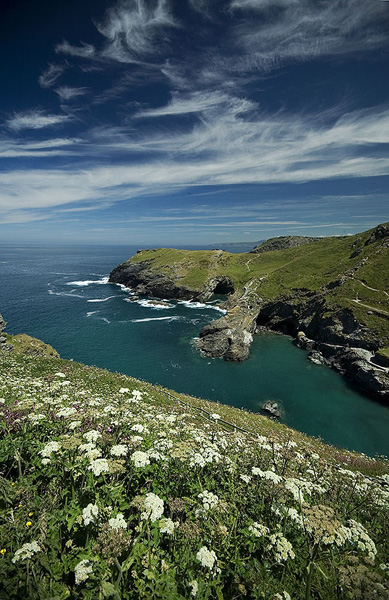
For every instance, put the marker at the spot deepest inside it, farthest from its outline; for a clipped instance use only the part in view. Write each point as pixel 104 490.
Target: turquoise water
pixel 61 295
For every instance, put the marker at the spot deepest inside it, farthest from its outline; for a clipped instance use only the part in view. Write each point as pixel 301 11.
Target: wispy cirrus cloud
pixel 67 93
pixel 281 30
pixel 35 119
pixel 83 51
pixel 50 75
pixel 133 28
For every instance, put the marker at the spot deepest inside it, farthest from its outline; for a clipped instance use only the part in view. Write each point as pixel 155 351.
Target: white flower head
pixel 92 435
pixel 119 450
pixel 90 513
pixel 154 506
pixel 166 526
pixel 26 551
pixel 117 522
pixel 140 459
pixel 206 557
pixel 49 449
pixel 82 571
pixel 98 466
pixel 195 587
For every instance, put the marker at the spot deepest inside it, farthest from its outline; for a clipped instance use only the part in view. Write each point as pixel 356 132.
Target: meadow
pixel 113 488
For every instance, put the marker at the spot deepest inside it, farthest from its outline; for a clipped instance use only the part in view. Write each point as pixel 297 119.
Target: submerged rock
pixel 273 408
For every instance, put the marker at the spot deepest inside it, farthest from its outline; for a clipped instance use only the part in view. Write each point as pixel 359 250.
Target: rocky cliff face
pixel 321 319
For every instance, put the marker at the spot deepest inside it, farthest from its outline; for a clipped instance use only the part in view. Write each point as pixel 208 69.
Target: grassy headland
pixel 113 488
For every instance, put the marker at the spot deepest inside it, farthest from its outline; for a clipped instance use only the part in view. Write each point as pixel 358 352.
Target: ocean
pixel 62 296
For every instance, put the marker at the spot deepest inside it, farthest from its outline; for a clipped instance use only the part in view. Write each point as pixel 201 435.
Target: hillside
pixel 115 488
pixel 332 294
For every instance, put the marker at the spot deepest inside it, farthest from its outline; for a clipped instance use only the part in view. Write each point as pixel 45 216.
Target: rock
pixel 273 408
pixel 229 337
pixel 284 241
pixel 315 357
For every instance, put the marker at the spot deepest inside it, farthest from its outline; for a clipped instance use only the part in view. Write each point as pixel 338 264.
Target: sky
pixel 192 122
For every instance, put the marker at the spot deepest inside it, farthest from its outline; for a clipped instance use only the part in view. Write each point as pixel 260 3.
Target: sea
pixel 61 295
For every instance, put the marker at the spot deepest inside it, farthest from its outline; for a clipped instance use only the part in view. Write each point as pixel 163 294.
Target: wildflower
pixel 66 412
pixel 3 551
pixel 117 522
pixel 245 478
pixel 195 587
pixel 82 571
pixel 140 459
pixel 26 551
pixel 283 596
pixel 28 524
pixel 123 390
pixel 166 526
pixel 215 416
pixel 119 450
pixel 153 507
pixel 89 513
pixel 138 427
pixel 137 395
pixel 206 557
pixel 45 461
pixel 209 499
pixel 258 529
pixel 360 536
pixel 98 466
pixel 49 449
pixel 92 435
pixel 60 374
pixel 30 514
pixel 280 546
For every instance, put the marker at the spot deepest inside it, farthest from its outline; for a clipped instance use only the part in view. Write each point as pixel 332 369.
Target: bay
pixel 61 295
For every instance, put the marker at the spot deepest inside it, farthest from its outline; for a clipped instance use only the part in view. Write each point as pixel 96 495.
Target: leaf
pixel 108 589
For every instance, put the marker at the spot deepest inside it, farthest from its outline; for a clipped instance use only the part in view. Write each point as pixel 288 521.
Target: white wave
pixel 52 293
pixel 200 305
pixel 101 299
pixel 102 281
pixel 155 319
pixel 104 319
pixel 153 304
pixel 92 312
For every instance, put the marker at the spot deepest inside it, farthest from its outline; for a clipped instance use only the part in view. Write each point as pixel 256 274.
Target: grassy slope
pixel 44 503
pixel 308 267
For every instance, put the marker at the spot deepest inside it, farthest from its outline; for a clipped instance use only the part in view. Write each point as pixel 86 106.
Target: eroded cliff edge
pixel 330 294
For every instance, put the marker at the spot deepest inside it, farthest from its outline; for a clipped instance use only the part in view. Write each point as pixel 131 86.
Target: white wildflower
pixel 49 449
pixel 26 551
pixel 119 450
pixel 166 526
pixel 90 513
pixel 209 499
pixel 140 459
pixel 206 557
pixel 45 461
pixel 258 529
pixel 98 466
pixel 214 416
pixel 245 478
pixel 92 435
pixel 117 522
pixel 281 547
pixel 195 587
pixel 153 507
pixel 82 571
pixel 123 390
pixel 60 374
pixel 138 428
pixel 66 412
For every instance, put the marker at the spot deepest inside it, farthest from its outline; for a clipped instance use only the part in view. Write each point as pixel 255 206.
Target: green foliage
pixel 114 488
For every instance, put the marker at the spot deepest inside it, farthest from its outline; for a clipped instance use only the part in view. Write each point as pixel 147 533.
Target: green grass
pixel 247 507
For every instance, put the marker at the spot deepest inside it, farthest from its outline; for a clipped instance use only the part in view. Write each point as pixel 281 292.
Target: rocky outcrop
pixel 144 281
pixel 282 242
pixel 3 339
pixel 229 337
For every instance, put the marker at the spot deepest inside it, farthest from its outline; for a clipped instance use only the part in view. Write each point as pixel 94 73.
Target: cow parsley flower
pixel 119 450
pixel 281 547
pixel 166 526
pixel 206 557
pixel 153 507
pixel 82 571
pixel 140 459
pixel 92 435
pixel 117 522
pixel 195 587
pixel 49 449
pixel 90 513
pixel 26 551
pixel 209 499
pixel 258 529
pixel 98 466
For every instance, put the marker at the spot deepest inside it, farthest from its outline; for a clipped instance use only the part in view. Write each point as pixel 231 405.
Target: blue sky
pixel 172 122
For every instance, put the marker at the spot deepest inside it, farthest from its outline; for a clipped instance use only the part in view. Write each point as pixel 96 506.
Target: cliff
pixel 331 294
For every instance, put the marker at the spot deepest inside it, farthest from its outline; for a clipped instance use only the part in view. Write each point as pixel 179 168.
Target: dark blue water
pixel 61 296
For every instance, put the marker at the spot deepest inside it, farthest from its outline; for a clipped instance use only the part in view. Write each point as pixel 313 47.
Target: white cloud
pixel 35 119
pixel 132 29
pixel 187 103
pixel 46 148
pixel 50 75
pixel 68 93
pixel 83 51
pixel 302 29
